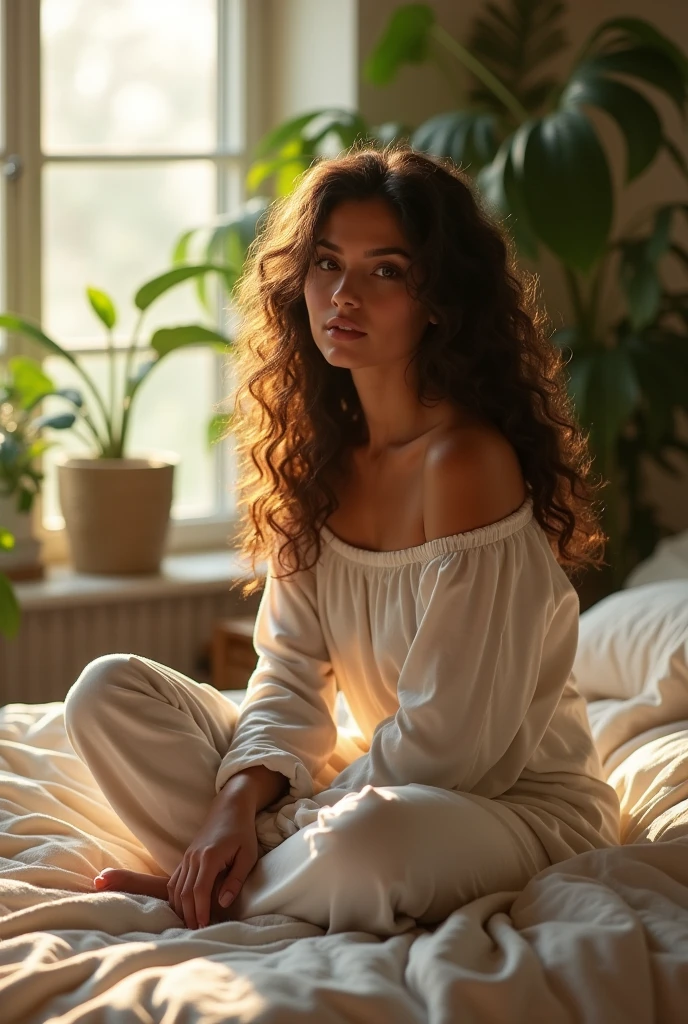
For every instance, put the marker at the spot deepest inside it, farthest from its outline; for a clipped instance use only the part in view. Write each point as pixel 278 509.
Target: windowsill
pixel 196 572
pixel 184 537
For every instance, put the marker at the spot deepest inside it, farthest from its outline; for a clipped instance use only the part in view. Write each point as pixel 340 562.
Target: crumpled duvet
pixel 602 937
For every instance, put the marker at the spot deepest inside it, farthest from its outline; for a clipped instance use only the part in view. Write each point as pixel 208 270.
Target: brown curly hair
pixel 489 353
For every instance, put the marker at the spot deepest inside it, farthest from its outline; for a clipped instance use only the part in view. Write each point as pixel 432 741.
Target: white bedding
pixel 602 937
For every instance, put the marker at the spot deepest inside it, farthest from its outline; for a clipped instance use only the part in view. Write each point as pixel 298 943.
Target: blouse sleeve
pixel 286 721
pixel 495 641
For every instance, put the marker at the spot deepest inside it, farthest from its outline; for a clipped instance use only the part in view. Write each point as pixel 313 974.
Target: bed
pixel 602 937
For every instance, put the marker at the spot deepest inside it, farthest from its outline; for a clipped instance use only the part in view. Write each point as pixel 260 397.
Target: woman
pixel 413 474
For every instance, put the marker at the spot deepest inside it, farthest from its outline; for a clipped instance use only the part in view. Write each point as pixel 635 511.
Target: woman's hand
pixel 226 840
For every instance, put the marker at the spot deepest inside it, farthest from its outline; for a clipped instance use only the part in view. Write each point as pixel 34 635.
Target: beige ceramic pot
pixel 116 511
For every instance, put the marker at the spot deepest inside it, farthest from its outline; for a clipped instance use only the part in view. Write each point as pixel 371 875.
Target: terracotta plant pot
pixel 116 511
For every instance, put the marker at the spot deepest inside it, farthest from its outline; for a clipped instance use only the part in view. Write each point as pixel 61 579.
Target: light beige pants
pixel 383 860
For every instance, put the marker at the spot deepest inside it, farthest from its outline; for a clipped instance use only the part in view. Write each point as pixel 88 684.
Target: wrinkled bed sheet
pixel 602 937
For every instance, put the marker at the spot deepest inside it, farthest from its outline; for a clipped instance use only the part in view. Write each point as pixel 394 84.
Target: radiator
pixel 170 620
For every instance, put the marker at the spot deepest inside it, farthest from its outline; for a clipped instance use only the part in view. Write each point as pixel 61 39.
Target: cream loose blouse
pixel 455 658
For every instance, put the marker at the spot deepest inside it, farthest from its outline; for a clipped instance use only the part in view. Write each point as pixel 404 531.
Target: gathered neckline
pixel 432 548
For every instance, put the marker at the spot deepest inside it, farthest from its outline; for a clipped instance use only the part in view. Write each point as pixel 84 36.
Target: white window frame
pixel 237 20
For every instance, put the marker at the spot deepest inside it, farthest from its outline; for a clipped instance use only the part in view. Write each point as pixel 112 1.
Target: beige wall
pixel 419 92
pixel 312 56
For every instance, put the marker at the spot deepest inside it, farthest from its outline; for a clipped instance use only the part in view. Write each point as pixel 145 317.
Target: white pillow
pixel 668 561
pixel 631 664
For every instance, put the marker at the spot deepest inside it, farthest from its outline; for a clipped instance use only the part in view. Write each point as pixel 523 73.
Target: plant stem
pixel 127 372
pixel 111 360
pixel 86 419
pixel 481 72
pixel 97 395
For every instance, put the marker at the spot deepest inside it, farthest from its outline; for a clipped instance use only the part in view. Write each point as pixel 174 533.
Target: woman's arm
pixel 259 785
pixel 286 722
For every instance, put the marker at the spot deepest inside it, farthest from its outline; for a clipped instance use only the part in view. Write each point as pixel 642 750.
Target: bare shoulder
pixel 471 478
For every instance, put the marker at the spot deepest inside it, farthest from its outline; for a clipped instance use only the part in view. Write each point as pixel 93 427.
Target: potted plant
pixel 529 142
pixel 116 506
pixel 23 385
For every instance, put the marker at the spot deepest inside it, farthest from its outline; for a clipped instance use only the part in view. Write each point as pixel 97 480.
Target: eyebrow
pixel 386 251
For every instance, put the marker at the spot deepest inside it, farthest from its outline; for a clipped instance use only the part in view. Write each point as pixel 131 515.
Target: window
pixel 126 125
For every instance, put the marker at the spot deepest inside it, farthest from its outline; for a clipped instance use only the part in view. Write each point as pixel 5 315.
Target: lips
pixel 344 334
pixel 340 328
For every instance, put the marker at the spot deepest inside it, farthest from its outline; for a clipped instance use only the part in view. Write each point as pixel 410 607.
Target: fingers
pixel 201 893
pixel 231 887
pixel 174 888
pixel 190 891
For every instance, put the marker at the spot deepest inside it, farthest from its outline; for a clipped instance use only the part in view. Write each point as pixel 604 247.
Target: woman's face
pixel 369 289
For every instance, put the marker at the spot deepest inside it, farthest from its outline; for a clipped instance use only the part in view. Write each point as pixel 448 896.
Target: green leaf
pixel 26 498
pixel 30 381
pixel 6 539
pixel 467 137
pixel 642 62
pixel 10 615
pixel 292 147
pixel 61 421
pixel 19 325
pixel 283 133
pixel 521 226
pixel 261 170
pixel 552 158
pixel 490 181
pixel 72 395
pixel 181 247
pixel 286 175
pixel 168 339
pixel 579 370
pixel 389 132
pixel 658 243
pixel 156 287
pixel 513 46
pixel 640 283
pixel 139 376
pixel 635 116
pixel 218 427
pixel 567 337
pixel 231 239
pixel 102 306
pixel 647 34
pixel 612 395
pixel 501 189
pixel 347 125
pixel 405 41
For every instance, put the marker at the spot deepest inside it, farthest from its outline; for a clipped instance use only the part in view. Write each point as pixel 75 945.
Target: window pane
pixel 114 228
pixel 129 75
pixel 170 413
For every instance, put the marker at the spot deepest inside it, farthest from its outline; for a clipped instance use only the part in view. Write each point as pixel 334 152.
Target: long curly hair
pixel 489 353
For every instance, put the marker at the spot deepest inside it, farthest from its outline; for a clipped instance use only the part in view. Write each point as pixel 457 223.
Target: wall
pixel 312 50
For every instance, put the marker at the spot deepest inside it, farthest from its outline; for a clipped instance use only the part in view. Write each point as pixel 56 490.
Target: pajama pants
pixel 382 860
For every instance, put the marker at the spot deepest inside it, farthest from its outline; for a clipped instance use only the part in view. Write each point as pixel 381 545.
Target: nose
pixel 345 293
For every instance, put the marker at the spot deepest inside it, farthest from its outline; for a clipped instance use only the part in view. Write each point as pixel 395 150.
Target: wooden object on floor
pixel 233 656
